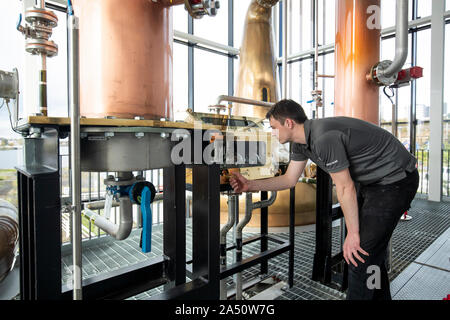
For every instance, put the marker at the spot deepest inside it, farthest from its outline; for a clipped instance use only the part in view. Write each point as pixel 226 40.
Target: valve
pixel 198 8
pixel 143 193
pixel 403 78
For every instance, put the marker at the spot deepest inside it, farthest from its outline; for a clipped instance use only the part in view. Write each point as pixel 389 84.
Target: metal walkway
pixel 410 239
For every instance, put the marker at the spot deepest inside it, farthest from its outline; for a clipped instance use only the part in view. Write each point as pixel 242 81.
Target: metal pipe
pixel 265 203
pixel 401 40
pixel 239 228
pixel 232 200
pixel 243 101
pixel 123 229
pixel 199 40
pixel 249 207
pixel 74 102
pixel 97 205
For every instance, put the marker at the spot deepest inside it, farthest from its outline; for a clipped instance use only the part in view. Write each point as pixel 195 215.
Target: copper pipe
pixel 126 53
pixel 357 49
pixel 257 69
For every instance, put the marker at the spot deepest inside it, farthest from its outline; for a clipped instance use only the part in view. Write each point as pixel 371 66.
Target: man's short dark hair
pixel 284 109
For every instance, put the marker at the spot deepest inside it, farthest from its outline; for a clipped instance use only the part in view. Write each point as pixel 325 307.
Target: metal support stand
pixel 40 234
pixel 325 215
pixel 174 181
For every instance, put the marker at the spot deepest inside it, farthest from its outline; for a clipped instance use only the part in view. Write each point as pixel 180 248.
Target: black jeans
pixel 380 208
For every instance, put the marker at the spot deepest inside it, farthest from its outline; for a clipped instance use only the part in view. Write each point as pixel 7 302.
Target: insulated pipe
pixel 123 229
pixel 401 40
pixel 74 103
pixel 232 201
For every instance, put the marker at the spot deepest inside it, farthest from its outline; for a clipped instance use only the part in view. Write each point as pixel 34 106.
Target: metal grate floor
pixel 410 239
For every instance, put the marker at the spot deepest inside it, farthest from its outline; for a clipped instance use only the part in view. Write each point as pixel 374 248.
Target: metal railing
pixel 422 156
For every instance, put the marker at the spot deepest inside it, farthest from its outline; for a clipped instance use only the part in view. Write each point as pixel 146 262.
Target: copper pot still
pixel 126 58
pixel 257 64
pixel 357 49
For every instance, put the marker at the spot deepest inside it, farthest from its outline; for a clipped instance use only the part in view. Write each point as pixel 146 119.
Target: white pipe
pixel 206 42
pixel 123 229
pixel 243 101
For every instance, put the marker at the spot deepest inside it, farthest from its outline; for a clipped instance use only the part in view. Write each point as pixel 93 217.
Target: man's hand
pixel 351 249
pixel 239 183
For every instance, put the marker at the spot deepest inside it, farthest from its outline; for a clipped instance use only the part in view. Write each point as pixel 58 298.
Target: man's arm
pixel 286 181
pixel 346 193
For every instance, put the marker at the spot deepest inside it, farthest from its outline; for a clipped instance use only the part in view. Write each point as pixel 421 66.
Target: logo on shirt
pixel 331 163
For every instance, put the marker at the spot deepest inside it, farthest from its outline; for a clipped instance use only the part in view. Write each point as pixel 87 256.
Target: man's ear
pixel 289 123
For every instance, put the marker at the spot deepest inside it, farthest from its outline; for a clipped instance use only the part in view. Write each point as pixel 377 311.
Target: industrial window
pixel 446 115
pixel 327 27
pixel 180 18
pixel 423 90
pixel 210 78
pixel 327 84
pixel 388 12
pixel 180 80
pixel 10 58
pixel 214 28
pixel 424 8
pixel 57 71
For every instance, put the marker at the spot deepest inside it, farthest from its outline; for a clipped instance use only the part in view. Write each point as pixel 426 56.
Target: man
pixel 375 177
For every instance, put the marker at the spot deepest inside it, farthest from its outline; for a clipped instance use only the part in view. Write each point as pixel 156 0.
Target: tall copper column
pixel 125 58
pixel 257 65
pixel 357 50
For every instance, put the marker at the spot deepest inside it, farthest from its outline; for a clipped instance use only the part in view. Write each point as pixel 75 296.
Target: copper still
pixel 257 81
pixel 126 53
pixel 357 49
pixel 257 68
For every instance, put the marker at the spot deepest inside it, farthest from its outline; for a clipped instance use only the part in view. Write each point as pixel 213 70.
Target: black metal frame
pixel 325 215
pixel 40 239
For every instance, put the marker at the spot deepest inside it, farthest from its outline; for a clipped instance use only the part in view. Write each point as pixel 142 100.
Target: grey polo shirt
pixel 371 153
